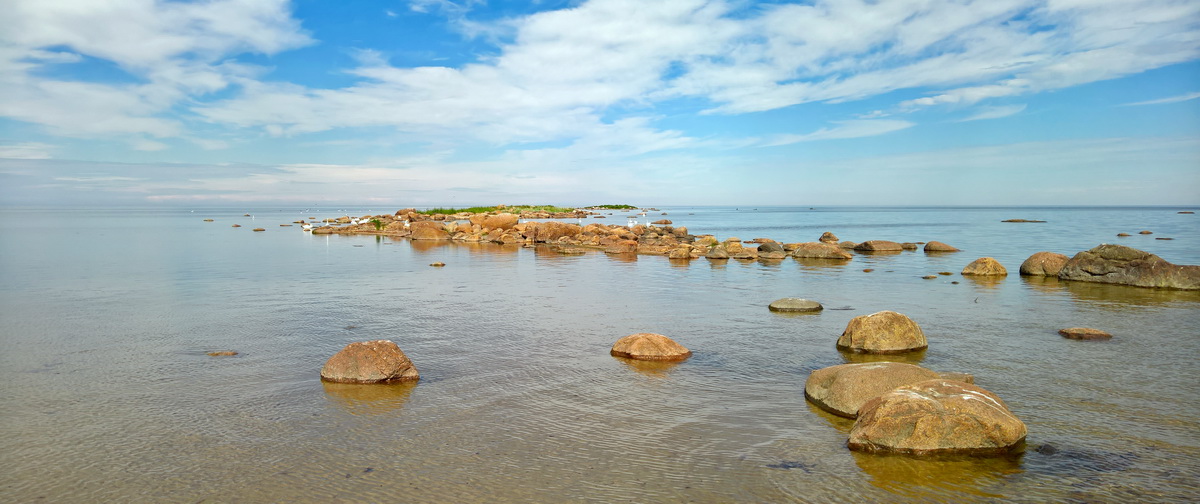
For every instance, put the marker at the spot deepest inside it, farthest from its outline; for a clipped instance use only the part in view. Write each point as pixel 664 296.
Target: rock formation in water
pixel 882 332
pixel 1043 264
pixel 1084 333
pixel 985 266
pixel 844 388
pixel 795 305
pixel 936 417
pixel 818 250
pixel 937 246
pixel 1118 264
pixel 828 237
pixel 379 361
pixel 878 246
pixel 650 346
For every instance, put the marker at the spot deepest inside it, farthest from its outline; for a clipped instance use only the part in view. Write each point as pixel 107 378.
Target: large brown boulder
pixel 882 332
pixel 1043 264
pixel 650 346
pixel 878 246
pixel 498 221
pixel 936 417
pixel 378 361
pixel 937 246
pixel 818 250
pixel 985 266
pixel 843 389
pixel 1117 264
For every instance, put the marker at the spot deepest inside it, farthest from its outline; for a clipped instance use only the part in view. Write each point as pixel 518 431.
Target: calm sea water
pixel 109 396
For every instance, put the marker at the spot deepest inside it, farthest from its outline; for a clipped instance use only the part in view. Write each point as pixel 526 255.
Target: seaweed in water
pixel 792 464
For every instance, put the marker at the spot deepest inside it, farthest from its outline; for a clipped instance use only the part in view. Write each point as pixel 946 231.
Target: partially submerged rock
pixel 828 237
pixel 1084 333
pixel 1043 264
pixel 937 246
pixel 937 417
pixel 379 361
pixel 650 346
pixel 844 388
pixel 878 246
pixel 818 250
pixel 882 332
pixel 795 305
pixel 771 250
pixel 1118 264
pixel 985 266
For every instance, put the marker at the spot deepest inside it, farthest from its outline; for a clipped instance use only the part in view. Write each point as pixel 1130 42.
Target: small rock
pixel 795 305
pixel 1162 238
pixel 1186 212
pixel 882 332
pixel 259 229
pixel 1145 232
pixel 828 237
pixel 1122 235
pixel 868 270
pixel 1084 333
pixel 222 353
pixel 929 277
pixel 649 346
pixel 1021 220
pixel 208 220
pixel 946 273
pixel 438 264
pixel 663 222
pixel 1043 264
pixel 908 246
pixel 237 225
pixel 379 361
pixel 878 246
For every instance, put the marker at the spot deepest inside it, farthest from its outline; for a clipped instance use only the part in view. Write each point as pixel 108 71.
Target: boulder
pixel 818 250
pixel 795 305
pixel 622 247
pixel 843 389
pixel 828 237
pixel 662 222
pixel 717 252
pixel 543 232
pixel 435 232
pixel 1117 264
pixel 847 245
pixel 680 252
pixel 882 332
pixel 937 246
pixel 1043 264
pixel 985 266
pixel 498 221
pixel 937 417
pixel 378 361
pixel 1084 333
pixel 649 346
pixel 908 246
pixel 771 250
pixel 878 246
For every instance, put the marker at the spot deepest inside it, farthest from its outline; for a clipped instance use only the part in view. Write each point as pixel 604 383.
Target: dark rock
pixel 1021 220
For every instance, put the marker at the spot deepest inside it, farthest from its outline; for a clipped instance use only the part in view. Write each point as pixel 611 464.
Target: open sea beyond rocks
pixel 109 394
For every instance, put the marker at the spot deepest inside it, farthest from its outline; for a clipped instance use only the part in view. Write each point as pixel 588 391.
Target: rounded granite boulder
pixel 649 346
pixel 937 417
pixel 844 388
pixel 1043 264
pixel 937 246
pixel 882 332
pixel 985 266
pixel 795 305
pixel 379 361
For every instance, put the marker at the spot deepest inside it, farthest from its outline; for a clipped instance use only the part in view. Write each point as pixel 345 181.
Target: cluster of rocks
pixel 1114 264
pixel 905 408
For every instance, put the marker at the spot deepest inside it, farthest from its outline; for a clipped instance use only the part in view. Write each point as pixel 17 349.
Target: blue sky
pixel 688 102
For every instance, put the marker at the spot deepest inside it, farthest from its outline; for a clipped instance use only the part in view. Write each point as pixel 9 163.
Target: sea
pixel 107 316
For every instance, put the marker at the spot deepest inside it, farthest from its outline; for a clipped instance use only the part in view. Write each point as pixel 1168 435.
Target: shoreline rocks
pixel 1043 264
pixel 795 305
pixel 937 246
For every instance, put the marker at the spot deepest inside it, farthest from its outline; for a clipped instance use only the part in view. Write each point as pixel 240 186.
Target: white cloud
pixel 845 129
pixel 1162 101
pixel 26 150
pixel 994 112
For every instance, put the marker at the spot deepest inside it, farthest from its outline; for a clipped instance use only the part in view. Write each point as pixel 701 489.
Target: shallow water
pixel 109 395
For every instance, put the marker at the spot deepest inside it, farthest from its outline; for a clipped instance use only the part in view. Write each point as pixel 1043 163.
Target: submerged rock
pixel 1043 264
pixel 882 332
pixel 936 417
pixel 985 266
pixel 795 305
pixel 844 388
pixel 1118 264
pixel 379 361
pixel 650 346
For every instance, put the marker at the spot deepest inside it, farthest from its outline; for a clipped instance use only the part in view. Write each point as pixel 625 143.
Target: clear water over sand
pixel 108 394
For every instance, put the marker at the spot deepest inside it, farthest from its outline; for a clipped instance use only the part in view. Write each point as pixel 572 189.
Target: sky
pixel 685 102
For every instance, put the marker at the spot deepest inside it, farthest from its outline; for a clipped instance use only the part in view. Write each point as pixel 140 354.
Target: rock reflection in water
pixel 1118 297
pixel 924 479
pixel 368 399
pixel 914 357
pixel 653 369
